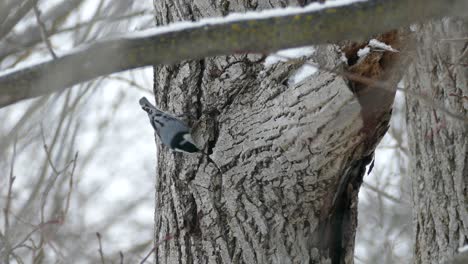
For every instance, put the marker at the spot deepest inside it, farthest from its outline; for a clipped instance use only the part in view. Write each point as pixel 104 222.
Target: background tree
pixel 438 141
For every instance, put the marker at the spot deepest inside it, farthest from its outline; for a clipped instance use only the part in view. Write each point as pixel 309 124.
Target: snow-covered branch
pixel 261 32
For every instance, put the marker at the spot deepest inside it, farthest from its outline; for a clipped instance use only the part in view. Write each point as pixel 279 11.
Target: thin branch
pixel 53 178
pixel 54 17
pixel 384 194
pixel 82 37
pixel 41 176
pixel 10 192
pixel 132 83
pixel 6 6
pixel 464 97
pixel 46 149
pixel 38 227
pixel 6 210
pixel 262 35
pixel 381 85
pixel 109 19
pixel 156 245
pixel 17 258
pixel 14 17
pixel 70 187
pixel 454 39
pixel 43 30
pixel 101 253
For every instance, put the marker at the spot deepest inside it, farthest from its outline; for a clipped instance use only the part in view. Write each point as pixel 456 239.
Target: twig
pixel 156 245
pixel 103 19
pixel 397 147
pixel 356 257
pixel 70 187
pixel 17 258
pixel 454 39
pixel 464 97
pixel 46 149
pixel 384 194
pixel 101 253
pixel 381 85
pixel 13 18
pixel 21 123
pixel 42 28
pixel 131 83
pixel 87 31
pixel 9 193
pixel 6 210
pixel 53 179
pixel 38 227
pixel 121 257
pixel 5 8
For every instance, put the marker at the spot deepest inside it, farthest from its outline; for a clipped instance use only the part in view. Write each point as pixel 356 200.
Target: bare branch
pixel 454 39
pixel 31 35
pixel 250 35
pixel 70 187
pixel 13 18
pixel 95 20
pixel 46 149
pixel 384 194
pixel 10 187
pixel 43 31
pixel 381 85
pixel 87 31
pixel 131 83
pixel 156 245
pixel 101 253
pixel 5 7
pixel 38 227
pixel 121 257
pixel 53 178
pixel 6 210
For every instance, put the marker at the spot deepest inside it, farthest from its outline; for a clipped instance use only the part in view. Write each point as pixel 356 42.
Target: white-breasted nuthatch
pixel 172 131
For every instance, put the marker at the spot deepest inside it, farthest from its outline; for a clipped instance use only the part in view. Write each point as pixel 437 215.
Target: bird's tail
pixel 148 107
pixel 145 103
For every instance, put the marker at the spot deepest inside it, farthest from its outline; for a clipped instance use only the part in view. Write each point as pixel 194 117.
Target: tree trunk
pixel 291 156
pixel 438 142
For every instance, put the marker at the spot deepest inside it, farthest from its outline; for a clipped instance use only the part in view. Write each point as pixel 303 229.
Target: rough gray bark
pixel 438 143
pixel 291 156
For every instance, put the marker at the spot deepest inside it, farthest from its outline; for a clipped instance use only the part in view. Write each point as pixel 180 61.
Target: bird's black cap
pixel 180 143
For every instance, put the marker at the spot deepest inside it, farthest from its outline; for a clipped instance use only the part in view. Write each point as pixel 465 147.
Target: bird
pixel 172 131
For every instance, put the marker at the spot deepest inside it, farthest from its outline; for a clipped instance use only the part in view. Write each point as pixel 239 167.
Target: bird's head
pixel 183 142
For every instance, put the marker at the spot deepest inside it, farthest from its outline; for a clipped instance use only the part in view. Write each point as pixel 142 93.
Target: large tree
pixel 291 156
pixel 438 137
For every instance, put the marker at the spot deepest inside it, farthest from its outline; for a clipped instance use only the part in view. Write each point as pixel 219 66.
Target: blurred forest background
pixel 79 166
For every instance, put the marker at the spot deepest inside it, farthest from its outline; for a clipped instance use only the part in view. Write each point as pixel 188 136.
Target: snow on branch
pixel 260 32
